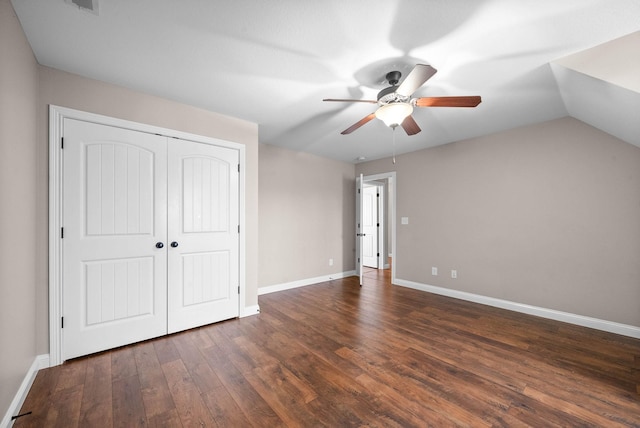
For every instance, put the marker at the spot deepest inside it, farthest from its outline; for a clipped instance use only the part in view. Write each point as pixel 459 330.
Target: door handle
pixel 159 245
pixel 174 244
pixel 361 234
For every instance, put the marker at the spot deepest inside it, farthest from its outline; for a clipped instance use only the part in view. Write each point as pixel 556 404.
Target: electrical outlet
pixel 330 262
pixel 434 271
pixel 454 273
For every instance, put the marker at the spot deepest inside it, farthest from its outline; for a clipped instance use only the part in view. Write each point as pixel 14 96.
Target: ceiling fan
pixel 395 104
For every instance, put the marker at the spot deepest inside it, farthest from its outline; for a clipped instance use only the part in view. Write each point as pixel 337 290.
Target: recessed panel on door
pixel 119 189
pixel 117 289
pixel 205 277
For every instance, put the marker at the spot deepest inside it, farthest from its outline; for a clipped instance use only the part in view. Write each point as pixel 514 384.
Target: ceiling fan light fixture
pixel 394 113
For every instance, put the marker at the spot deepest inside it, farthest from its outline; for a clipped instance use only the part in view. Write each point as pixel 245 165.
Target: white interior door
pixel 203 252
pixel 114 214
pixel 359 232
pixel 370 226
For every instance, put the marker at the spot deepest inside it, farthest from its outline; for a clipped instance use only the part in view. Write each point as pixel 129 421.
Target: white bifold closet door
pixel 150 240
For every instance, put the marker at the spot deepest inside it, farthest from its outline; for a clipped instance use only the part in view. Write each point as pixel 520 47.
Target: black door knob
pixel 159 245
pixel 174 244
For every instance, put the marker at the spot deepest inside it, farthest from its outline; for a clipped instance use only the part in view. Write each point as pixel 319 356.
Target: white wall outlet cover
pixel 434 271
pixel 404 220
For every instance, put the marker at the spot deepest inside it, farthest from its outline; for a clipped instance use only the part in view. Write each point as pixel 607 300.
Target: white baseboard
pixel 250 310
pixel 595 323
pixel 303 282
pixel 40 362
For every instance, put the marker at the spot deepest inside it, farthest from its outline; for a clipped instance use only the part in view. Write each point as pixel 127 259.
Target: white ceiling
pixel 272 62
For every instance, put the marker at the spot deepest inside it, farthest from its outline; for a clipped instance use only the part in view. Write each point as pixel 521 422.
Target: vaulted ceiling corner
pixel 601 86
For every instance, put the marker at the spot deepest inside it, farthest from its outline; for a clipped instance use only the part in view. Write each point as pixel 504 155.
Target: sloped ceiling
pixel 601 86
pixel 272 62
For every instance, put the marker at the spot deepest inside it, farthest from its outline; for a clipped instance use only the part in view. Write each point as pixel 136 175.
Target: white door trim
pixel 57 115
pixel 392 213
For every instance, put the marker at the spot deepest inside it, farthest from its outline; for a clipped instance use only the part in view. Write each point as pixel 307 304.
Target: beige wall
pixel 307 212
pixel 72 91
pixel 18 205
pixel 546 215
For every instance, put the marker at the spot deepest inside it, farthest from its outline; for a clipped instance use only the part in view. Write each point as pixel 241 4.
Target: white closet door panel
pixel 114 213
pixel 203 221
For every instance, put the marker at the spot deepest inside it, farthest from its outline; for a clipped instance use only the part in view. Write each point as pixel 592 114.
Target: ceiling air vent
pixel 86 5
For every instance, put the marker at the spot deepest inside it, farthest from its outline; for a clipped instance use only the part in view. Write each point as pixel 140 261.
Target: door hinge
pixel 377 224
pixel 62 142
pixel 61 232
pixel 377 195
pixel 378 255
pixel 238 167
pixel 238 228
pixel 358 190
pixel 62 322
pixel 238 289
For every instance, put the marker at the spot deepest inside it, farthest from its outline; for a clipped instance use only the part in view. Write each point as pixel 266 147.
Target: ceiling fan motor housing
pixel 393 77
pixel 389 96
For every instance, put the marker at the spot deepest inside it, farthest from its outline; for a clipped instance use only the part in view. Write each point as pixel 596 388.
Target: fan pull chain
pixel 394 143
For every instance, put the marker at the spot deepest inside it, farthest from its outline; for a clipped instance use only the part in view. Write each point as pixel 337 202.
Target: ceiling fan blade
pixel 358 124
pixel 350 101
pixel 420 74
pixel 470 101
pixel 410 126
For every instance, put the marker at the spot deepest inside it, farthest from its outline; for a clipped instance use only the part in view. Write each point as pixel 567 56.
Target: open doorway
pixel 376 226
pixel 374 253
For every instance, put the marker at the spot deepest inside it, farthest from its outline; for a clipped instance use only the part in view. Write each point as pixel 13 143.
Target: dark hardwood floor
pixel 338 355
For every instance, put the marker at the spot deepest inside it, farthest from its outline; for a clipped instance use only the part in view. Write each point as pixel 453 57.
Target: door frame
pixel 391 200
pixel 57 115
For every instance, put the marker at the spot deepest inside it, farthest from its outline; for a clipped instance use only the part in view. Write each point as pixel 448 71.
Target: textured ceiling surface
pixel 272 62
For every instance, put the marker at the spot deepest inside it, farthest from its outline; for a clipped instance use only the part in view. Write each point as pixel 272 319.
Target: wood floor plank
pixel 422 400
pixel 167 419
pixel 222 357
pixel 128 407
pixel 274 392
pixel 66 412
pixel 97 407
pixel 337 354
pixel 166 350
pixel 154 388
pixel 191 408
pixel 576 412
pixel 123 363
pixel 202 374
pixel 224 408
pixel 72 373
